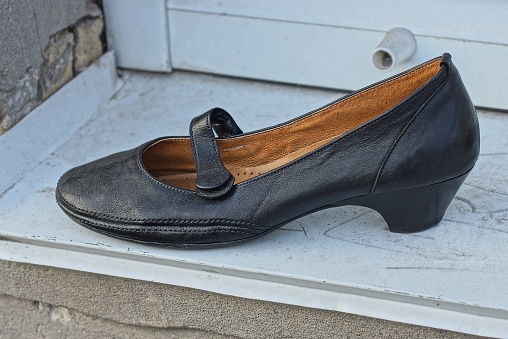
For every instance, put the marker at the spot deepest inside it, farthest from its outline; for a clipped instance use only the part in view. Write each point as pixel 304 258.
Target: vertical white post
pixel 138 32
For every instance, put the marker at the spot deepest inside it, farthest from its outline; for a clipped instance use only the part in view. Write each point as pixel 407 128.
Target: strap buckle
pixel 213 180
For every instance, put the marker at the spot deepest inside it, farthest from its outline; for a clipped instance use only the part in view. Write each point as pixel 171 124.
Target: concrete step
pixel 59 303
pixel 453 276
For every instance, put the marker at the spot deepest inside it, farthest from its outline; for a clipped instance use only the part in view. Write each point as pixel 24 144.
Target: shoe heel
pixel 414 209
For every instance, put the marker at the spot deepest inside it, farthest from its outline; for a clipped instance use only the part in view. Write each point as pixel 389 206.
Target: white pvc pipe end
pixel 398 45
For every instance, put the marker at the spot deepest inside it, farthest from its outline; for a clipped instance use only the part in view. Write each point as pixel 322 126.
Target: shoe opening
pixel 170 160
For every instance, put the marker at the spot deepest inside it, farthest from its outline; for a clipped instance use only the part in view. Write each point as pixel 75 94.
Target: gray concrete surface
pixel 32 319
pixel 26 27
pixel 38 301
pixel 42 47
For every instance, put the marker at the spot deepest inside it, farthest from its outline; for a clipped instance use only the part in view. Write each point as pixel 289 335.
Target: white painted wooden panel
pixel 474 20
pixel 322 43
pixel 137 31
pixel 321 55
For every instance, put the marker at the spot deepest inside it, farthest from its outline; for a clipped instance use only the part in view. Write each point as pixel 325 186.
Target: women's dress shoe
pixel 402 147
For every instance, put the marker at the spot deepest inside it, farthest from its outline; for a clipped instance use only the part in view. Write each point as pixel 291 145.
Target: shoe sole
pixel 405 211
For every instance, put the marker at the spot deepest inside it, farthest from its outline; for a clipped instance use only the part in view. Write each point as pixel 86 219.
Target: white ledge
pixel 452 276
pixel 48 125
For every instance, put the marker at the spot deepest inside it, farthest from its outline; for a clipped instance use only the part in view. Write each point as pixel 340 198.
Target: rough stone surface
pixel 88 43
pixel 20 318
pixel 41 50
pixel 92 9
pixel 19 43
pixel 25 29
pixel 56 68
pixel 54 15
pixel 153 305
pixel 20 101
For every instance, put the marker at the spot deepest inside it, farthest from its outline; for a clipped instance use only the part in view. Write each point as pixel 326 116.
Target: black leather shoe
pixel 402 147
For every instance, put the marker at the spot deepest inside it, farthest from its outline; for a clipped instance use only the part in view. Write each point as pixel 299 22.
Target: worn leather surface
pixel 431 136
pixel 440 141
pixel 248 155
pixel 213 180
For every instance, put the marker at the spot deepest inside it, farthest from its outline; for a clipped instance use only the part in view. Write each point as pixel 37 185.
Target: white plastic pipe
pixel 398 45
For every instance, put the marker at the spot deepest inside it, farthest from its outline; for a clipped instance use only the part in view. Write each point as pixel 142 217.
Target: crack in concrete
pixel 7 190
pixel 41 50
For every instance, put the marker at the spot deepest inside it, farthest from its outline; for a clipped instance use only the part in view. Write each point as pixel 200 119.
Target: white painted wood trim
pixel 137 30
pixel 469 20
pixel 320 55
pixel 325 43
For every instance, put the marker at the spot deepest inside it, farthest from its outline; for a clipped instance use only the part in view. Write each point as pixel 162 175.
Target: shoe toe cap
pixel 77 191
pixel 94 188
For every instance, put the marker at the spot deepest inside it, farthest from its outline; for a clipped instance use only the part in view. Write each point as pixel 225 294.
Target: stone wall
pixel 43 44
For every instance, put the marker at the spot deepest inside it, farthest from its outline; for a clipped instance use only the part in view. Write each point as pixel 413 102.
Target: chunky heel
pixel 414 209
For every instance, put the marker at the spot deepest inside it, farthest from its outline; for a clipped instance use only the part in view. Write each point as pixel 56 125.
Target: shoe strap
pixel 213 180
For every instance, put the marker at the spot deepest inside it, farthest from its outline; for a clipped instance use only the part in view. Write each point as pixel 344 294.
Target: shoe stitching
pixel 342 138
pixel 344 100
pixel 331 105
pixel 348 135
pixel 159 230
pixel 267 195
pixel 163 230
pixel 403 132
pixel 149 176
pixel 339 101
pixel 189 222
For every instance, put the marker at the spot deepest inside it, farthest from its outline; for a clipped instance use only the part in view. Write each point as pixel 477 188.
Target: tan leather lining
pixel 170 160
